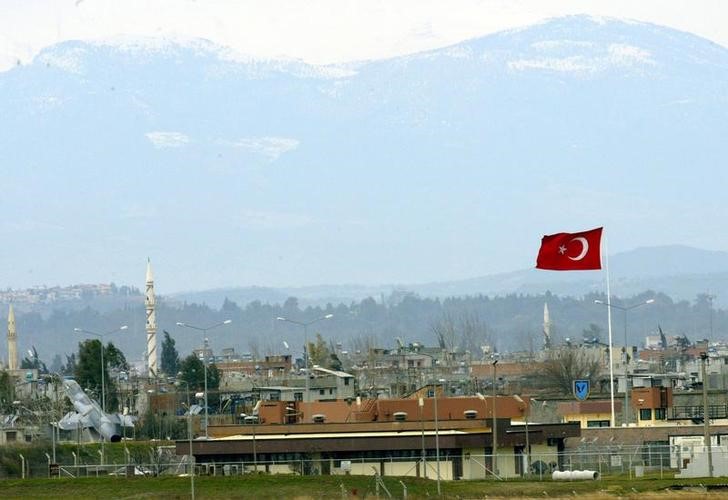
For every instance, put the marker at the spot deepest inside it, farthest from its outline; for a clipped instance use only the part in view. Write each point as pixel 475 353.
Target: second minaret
pixel 151 325
pixel 12 341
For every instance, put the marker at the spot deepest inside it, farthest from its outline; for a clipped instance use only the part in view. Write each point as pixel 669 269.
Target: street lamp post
pixel 437 426
pixel 526 409
pixel 305 326
pixel 54 406
pixel 625 310
pixel 437 438
pixel 494 424
pixel 103 368
pixel 706 414
pixel 189 437
pixel 204 357
pixel 421 404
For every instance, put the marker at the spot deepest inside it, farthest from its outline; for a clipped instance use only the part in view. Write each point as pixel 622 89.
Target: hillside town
pixel 400 409
pixel 57 294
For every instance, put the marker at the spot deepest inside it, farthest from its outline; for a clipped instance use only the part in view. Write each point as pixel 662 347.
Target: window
pixel 321 392
pixel 597 423
pixel 646 414
pixel 347 380
pixel 298 396
pixel 11 436
pixel 659 413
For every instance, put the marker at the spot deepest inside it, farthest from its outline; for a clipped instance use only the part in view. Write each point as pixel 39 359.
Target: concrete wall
pixel 475 465
pixel 401 469
pixel 408 468
pixel 544 453
pixel 475 462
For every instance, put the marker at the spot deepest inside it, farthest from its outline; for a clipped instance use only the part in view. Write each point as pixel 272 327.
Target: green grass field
pixel 338 487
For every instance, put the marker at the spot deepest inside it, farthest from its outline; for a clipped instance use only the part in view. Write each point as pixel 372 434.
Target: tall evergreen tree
pixel 170 356
pixel 7 391
pixel 193 372
pixel 319 353
pixel 87 371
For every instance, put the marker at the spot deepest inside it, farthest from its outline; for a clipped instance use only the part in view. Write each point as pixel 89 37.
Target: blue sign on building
pixel 581 389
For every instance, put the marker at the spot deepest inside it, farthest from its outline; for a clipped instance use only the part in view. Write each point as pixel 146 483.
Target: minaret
pixel 151 325
pixel 12 341
pixel 546 327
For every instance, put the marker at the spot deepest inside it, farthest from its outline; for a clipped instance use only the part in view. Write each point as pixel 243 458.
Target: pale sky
pixel 322 31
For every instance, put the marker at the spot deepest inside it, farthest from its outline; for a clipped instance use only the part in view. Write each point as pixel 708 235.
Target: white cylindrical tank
pixel 575 475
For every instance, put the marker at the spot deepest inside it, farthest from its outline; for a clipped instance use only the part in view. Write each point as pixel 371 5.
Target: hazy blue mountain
pixel 511 304
pixel 678 271
pixel 450 163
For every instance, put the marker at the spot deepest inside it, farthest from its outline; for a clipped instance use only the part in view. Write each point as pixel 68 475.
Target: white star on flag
pixel 562 249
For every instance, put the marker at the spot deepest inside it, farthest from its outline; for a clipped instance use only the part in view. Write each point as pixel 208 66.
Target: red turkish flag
pixel 571 251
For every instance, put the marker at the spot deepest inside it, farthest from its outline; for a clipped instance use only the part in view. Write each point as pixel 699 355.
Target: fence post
pixel 630 466
pixel 599 461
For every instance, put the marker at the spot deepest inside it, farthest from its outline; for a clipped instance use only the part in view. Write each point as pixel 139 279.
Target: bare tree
pixel 445 332
pixel 271 347
pixel 363 343
pixel 254 346
pixel 566 364
pixel 474 332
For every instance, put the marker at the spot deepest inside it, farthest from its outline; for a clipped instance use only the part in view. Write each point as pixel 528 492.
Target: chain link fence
pixel 619 460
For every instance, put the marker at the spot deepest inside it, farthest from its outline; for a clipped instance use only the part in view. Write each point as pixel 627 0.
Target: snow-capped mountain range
pixel 442 165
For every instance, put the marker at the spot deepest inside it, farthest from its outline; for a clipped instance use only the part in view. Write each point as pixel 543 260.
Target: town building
pixel 411 437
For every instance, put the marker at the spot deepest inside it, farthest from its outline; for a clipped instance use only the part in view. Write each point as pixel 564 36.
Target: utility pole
pixel 625 354
pixel 706 414
pixel 495 423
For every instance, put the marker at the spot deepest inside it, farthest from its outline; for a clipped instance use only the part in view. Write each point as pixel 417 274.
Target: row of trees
pixel 512 322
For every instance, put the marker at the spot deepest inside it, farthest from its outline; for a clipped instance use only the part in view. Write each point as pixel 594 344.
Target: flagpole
pixel 609 327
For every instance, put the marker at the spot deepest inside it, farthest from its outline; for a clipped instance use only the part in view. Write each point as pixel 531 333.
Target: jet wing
pixel 72 421
pixel 125 420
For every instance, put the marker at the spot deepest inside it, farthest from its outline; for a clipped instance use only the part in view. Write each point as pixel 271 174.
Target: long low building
pixel 389 437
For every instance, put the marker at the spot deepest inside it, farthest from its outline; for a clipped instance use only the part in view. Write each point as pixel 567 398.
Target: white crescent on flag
pixel 584 248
